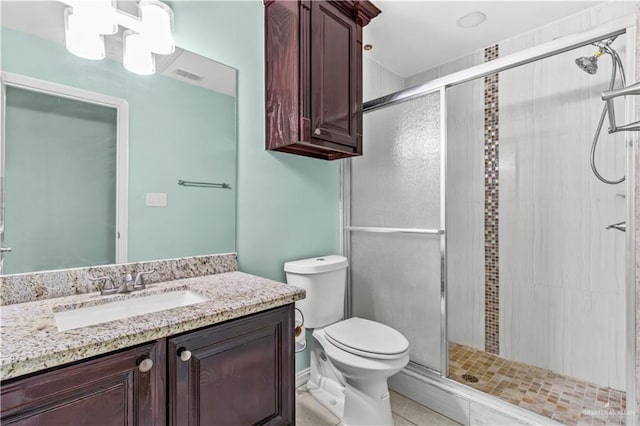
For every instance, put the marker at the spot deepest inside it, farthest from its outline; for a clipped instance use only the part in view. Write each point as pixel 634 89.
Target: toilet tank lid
pixel 317 265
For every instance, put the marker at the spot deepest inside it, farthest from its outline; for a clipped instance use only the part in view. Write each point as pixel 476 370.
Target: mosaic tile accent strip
pixel 561 398
pixel 21 288
pixel 491 180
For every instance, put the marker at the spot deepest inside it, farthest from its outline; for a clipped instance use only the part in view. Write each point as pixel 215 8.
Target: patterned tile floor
pixel 564 399
pixel 406 412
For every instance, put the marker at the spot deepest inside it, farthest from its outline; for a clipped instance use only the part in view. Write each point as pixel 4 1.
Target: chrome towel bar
pixel 204 184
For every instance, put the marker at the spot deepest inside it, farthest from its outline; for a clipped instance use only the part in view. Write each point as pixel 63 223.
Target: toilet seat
pixel 366 338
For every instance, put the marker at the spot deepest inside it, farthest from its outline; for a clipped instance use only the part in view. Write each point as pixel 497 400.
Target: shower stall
pixel 475 226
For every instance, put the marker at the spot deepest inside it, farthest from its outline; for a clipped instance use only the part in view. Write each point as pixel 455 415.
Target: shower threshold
pixel 562 398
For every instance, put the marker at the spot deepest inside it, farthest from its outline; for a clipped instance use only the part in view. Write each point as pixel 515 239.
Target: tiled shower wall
pixel 546 320
pixel 562 295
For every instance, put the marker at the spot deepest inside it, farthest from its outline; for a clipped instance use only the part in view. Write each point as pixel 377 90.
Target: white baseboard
pixel 302 377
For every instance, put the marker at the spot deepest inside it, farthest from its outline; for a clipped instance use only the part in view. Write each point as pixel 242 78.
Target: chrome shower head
pixel 588 64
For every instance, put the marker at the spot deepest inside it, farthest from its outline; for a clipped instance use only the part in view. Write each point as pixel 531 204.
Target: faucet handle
pixel 108 287
pixel 139 284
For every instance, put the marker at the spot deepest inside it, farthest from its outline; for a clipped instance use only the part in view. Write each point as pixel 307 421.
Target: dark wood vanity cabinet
pixel 237 373
pixel 313 64
pixel 108 390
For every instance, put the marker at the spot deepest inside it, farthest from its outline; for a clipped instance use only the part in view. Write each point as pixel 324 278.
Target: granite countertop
pixel 30 340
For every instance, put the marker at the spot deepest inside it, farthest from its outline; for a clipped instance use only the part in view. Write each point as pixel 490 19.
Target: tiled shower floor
pixel 564 399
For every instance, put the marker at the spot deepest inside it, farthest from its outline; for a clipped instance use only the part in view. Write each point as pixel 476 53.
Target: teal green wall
pixel 288 206
pixel 176 131
pixel 61 178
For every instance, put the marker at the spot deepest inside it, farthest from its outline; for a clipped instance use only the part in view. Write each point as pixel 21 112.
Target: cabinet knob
pixel 184 354
pixel 145 365
pixel 317 132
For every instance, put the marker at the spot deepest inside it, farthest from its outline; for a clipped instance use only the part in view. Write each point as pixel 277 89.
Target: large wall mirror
pixel 100 165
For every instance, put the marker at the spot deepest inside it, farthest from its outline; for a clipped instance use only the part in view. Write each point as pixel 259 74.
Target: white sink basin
pixel 111 311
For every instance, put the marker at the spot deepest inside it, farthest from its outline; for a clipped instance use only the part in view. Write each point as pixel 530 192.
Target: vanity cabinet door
pixel 108 390
pixel 237 373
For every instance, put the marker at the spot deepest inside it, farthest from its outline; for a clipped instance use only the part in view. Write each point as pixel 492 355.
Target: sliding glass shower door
pixel 394 233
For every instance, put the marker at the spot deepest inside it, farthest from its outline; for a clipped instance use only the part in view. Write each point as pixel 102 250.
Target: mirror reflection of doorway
pixel 60 169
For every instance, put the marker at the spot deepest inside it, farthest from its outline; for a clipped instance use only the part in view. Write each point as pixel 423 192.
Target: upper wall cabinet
pixel 314 76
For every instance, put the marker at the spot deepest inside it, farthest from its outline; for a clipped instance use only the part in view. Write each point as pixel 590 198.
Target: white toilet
pixel 351 359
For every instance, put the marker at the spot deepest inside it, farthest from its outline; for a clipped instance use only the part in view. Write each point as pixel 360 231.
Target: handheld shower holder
pixel 609 95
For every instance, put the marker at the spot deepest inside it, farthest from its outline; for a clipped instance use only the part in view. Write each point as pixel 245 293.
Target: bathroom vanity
pixel 227 360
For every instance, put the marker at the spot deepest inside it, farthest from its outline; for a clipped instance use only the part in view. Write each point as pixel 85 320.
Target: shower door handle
pixel 5 249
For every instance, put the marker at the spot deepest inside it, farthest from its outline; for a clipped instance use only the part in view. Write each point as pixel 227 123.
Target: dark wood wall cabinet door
pixel 236 373
pixel 124 388
pixel 313 64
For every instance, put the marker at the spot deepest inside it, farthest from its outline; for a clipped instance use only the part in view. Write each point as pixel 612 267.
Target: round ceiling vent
pixel 471 20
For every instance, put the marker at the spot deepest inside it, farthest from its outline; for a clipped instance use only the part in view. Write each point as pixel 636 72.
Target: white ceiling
pixel 412 36
pixel 44 19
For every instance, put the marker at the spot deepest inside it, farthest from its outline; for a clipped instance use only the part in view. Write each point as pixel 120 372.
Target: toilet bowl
pixel 357 390
pixel 351 359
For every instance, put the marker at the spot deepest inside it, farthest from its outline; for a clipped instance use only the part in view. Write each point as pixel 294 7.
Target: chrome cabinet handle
pixel 145 365
pixel 184 354
pixel 5 249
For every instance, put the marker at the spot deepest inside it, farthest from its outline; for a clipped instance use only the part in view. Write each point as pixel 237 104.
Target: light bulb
pixel 157 26
pixel 137 56
pixel 99 15
pixel 81 39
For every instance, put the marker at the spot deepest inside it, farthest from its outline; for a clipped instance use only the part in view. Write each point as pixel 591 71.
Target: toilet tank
pixel 324 279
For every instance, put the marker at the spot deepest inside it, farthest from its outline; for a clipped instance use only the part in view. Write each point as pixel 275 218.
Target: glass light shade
pixel 157 26
pixel 137 56
pixel 81 39
pixel 98 14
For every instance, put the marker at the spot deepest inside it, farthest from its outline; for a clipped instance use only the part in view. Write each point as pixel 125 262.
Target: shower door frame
pixel 625 25
pixel 8 79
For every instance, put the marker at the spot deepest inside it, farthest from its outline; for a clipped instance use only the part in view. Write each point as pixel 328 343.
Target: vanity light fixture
pixel 157 26
pixel 80 38
pixel 137 56
pixel 150 33
pixel 96 14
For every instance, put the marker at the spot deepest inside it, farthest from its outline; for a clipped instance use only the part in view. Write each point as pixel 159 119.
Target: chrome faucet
pixel 128 285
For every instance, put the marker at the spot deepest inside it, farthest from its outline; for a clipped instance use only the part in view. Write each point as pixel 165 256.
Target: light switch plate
pixel 156 199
